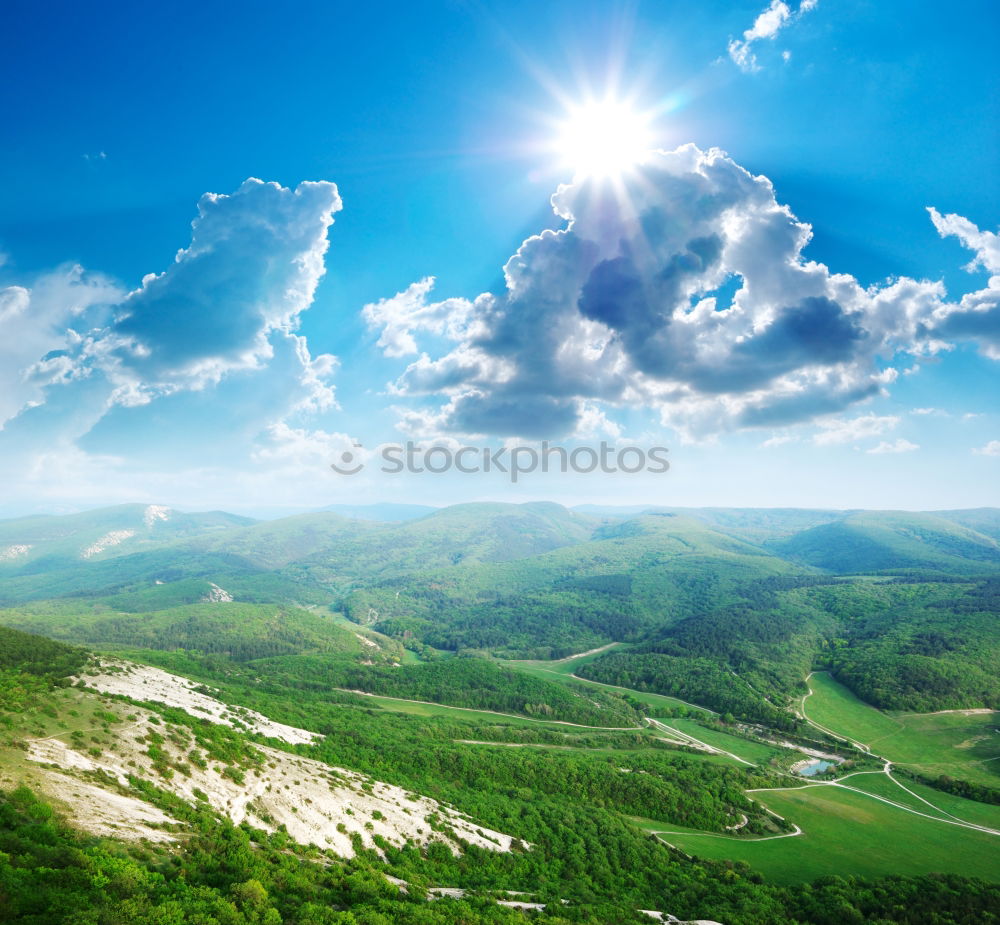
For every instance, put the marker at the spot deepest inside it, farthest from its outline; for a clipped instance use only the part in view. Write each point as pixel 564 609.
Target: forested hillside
pixel 904 645
pixel 449 655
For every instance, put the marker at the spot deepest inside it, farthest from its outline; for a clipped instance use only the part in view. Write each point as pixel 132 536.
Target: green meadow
pixel 756 752
pixel 962 744
pixel 945 804
pixel 844 834
pixel 424 708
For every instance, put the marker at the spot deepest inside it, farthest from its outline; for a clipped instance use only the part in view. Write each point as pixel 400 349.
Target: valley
pixel 604 713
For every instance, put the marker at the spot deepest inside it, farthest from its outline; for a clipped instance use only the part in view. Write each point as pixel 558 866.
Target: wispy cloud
pixel 896 446
pixel 849 430
pixel 990 449
pixel 977 315
pixel 766 26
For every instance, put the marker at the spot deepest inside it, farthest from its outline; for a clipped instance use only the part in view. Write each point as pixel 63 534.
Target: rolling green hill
pixel 34 544
pixel 755 525
pixel 116 550
pixel 34 655
pixel 888 541
pixel 337 546
pixel 699 604
pixel 305 619
pixel 985 520
pixel 240 631
pixel 629 577
pixel 899 644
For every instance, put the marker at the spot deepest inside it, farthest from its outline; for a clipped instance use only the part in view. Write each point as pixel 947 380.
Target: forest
pixel 401 644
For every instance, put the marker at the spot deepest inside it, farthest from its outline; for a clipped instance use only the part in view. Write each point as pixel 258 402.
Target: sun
pixel 603 139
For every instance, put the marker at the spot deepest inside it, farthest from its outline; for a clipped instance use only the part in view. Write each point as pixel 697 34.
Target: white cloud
pixel 985 244
pixel 766 26
pixel 779 440
pixel 200 366
pixel 625 307
pixel 37 329
pixel 977 315
pixel 593 423
pixel 990 449
pixel 897 446
pixel 255 259
pixel 848 430
pixel 299 448
pixel 409 311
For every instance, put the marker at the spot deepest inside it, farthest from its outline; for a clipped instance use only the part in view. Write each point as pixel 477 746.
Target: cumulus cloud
pixel 206 350
pixel 255 259
pixel 766 26
pixel 632 304
pixel 408 311
pixel 896 446
pixel 990 449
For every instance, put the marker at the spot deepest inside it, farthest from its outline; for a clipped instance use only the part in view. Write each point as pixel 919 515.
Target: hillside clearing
pixel 962 744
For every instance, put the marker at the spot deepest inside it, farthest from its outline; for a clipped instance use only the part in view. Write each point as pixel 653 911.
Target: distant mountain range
pixel 363 542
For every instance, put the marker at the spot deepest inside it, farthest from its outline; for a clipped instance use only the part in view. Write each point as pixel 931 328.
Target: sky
pixel 236 246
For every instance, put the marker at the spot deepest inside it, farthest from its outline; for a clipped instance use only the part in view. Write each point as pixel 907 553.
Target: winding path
pixel 684 738
pixel 886 770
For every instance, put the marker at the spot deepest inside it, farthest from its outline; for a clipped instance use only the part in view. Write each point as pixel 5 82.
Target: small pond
pixel 815 767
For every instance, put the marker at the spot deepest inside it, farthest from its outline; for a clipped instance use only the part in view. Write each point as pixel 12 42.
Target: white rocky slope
pixel 141 682
pixel 155 512
pixel 316 803
pixel 114 538
pixel 14 552
pixel 217 595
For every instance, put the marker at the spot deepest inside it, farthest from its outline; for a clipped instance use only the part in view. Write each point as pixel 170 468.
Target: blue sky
pixel 233 377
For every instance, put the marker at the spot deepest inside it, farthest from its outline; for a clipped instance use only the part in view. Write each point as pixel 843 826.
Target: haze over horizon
pixel 391 512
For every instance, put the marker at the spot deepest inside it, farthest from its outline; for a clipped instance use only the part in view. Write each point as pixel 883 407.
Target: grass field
pixel 562 670
pixel 756 752
pixel 846 834
pixel 959 745
pixel 423 708
pixel 949 806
